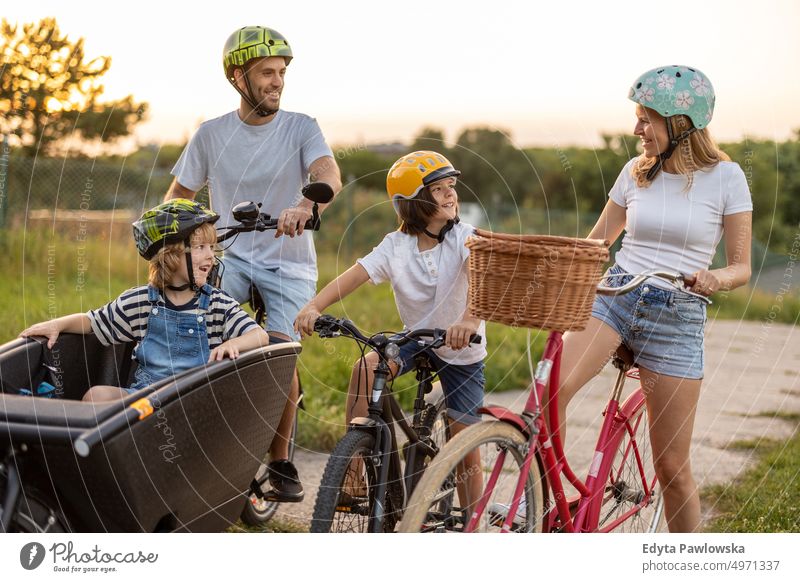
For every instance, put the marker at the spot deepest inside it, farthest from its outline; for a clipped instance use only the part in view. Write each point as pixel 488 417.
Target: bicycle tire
pixel 36 515
pixel 330 514
pixel 625 480
pixel 434 420
pixel 438 481
pixel 258 511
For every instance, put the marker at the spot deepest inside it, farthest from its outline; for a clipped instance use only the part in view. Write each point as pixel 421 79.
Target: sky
pixel 547 73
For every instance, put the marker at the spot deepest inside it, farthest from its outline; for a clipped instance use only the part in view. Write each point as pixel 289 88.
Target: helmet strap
pixel 664 156
pixel 445 229
pixel 189 270
pixel 248 97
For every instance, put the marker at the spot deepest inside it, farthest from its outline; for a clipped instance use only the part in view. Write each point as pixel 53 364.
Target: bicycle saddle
pixel 624 359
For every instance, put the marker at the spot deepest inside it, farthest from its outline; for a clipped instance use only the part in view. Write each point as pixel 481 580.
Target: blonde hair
pixel 697 152
pixel 168 259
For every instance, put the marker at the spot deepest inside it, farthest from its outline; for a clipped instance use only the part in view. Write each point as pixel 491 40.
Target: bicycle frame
pixel 544 441
pixel 385 455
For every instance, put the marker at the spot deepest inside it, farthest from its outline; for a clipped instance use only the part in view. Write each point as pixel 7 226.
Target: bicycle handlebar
pixel 329 326
pixel 251 219
pixel 264 222
pixel 677 280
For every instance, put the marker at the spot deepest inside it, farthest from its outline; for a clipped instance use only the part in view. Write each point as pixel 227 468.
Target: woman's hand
pixel 48 329
pixel 458 335
pixel 705 283
pixel 304 324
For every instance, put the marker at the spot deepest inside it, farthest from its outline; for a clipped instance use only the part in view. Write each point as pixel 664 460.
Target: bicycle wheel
pixel 346 491
pixel 629 477
pixel 257 510
pixel 434 422
pixel 36 515
pixel 501 448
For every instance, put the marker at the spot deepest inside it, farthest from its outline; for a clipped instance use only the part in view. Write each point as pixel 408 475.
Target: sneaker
pixel 499 511
pixel 286 486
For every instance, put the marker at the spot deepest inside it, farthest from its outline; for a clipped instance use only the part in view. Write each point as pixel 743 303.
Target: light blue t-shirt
pixel 262 163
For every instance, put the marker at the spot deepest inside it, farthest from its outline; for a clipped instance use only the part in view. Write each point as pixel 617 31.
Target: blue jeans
pixel 462 384
pixel 283 296
pixel 664 329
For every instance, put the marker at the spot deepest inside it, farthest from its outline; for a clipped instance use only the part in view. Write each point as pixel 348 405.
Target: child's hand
pixel 304 324
pixel 48 329
pixel 228 348
pixel 458 335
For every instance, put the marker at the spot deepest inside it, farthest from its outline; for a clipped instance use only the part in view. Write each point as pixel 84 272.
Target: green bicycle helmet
pixel 170 222
pixel 246 44
pixel 675 90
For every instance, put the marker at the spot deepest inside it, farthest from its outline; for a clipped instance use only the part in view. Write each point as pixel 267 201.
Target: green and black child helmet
pixel 173 221
pixel 246 44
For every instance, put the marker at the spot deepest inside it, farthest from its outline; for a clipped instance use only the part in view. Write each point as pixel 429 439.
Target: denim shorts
pixel 462 384
pixel 283 296
pixel 663 328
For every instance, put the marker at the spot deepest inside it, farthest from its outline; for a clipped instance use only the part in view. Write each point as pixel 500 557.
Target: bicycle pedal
pixel 273 495
pixel 355 509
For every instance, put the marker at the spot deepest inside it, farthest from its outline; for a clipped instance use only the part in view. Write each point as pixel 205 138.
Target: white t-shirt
pixel 671 229
pixel 263 163
pixel 430 287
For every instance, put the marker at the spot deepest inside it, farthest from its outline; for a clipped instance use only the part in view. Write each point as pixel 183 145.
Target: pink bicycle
pixel 523 461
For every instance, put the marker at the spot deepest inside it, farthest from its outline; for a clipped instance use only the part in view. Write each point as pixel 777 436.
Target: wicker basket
pixel 545 282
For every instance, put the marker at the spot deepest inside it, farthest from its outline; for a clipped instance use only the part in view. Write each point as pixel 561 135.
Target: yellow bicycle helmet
pixel 414 171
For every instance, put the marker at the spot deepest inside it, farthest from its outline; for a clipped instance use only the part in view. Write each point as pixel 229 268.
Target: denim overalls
pixel 174 341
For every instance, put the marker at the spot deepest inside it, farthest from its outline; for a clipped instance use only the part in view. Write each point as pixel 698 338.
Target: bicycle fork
pixel 381 453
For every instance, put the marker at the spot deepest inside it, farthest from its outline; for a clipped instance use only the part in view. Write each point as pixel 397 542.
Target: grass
pixel 767 497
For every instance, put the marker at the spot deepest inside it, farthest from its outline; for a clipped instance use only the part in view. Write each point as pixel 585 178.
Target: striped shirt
pixel 125 319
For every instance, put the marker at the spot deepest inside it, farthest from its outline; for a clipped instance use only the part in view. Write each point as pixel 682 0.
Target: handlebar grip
pixel 312 224
pixel 323 322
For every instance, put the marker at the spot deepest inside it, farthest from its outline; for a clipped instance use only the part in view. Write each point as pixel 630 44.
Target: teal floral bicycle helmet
pixel 675 90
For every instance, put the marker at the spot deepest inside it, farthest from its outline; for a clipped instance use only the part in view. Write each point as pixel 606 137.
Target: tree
pixel 49 93
pixel 430 138
pixel 494 170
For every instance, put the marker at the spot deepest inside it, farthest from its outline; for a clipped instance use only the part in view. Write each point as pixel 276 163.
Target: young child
pixel 178 320
pixel 425 262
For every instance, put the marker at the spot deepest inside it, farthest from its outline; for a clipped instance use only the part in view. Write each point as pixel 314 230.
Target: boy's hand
pixel 48 329
pixel 458 335
pixel 228 348
pixel 304 324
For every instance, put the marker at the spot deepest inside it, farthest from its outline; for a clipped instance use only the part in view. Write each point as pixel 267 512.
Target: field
pixel 49 274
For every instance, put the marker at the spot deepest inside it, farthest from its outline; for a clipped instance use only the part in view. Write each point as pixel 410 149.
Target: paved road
pixel 752 371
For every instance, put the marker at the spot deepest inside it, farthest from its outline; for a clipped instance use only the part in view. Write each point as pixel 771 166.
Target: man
pixel 265 154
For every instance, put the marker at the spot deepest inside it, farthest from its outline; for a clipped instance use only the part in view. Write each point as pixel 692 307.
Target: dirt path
pixel 752 372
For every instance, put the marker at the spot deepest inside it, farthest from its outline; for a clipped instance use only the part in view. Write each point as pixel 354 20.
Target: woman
pixel 674 202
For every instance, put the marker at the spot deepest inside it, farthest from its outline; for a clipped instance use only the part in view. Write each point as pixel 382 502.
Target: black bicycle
pixel 259 509
pixel 364 488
